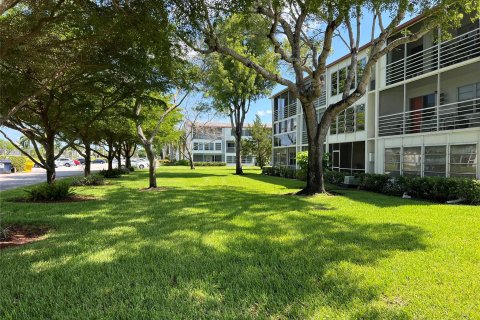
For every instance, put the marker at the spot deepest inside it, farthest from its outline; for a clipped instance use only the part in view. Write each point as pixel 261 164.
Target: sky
pixel 262 107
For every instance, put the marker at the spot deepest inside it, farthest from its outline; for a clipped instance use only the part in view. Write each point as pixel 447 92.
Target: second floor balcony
pixel 451 116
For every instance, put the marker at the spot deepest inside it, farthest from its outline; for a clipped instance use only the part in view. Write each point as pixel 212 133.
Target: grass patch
pixel 217 245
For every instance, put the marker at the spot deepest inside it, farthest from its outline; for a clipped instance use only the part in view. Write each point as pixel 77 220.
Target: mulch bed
pixel 17 235
pixel 74 198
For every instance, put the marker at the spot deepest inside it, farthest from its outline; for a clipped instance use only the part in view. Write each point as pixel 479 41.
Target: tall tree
pixel 234 86
pixel 260 143
pixel 302 33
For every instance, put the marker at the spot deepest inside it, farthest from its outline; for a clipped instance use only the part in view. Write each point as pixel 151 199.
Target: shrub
pixel 59 190
pixel 91 180
pixel 182 162
pixel 114 173
pixel 209 164
pixel 373 182
pixel 18 162
pixel 267 170
pixel 334 177
pixel 131 168
pixel 469 190
pixel 124 170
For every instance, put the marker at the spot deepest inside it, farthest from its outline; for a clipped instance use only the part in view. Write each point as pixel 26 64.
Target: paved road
pixel 15 180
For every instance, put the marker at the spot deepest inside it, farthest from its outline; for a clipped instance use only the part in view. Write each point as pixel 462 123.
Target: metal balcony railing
pixel 230 149
pixel 452 116
pixel 461 48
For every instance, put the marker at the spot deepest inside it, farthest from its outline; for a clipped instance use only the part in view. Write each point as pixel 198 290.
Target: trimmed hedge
pixel 18 162
pixel 439 189
pixel 114 173
pixel 209 164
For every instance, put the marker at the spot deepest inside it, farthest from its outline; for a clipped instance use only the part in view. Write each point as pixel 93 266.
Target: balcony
pixel 452 116
pixel 458 49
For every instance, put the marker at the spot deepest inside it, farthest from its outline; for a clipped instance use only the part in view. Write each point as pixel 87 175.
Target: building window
pixel 218 146
pixel 334 83
pixel 360 117
pixel 195 146
pixel 392 161
pixel 362 63
pixel 341 122
pixel 342 79
pixel 350 120
pixel 435 161
pixel 463 161
pixel 412 161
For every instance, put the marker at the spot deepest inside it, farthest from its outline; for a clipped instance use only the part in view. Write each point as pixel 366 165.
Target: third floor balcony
pixel 428 54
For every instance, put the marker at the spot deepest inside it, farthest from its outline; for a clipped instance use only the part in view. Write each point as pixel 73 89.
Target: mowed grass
pixel 213 245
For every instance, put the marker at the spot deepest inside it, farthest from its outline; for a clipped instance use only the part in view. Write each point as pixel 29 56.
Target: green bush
pixel 373 182
pixel 18 162
pixel 91 180
pixel 114 173
pixel 59 190
pixel 124 170
pixel 182 162
pixel 302 162
pixel 334 177
pixel 209 164
pixel 267 170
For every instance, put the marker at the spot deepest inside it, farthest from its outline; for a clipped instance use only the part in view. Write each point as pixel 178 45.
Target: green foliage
pixel 56 191
pixel 18 162
pixel 91 180
pixel 182 162
pixel 284 172
pixel 114 173
pixel 260 143
pixel 164 162
pixel 210 164
pixel 334 177
pixel 6 147
pixel 438 189
pixel 302 162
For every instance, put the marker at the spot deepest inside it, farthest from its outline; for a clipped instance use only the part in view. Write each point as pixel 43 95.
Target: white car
pixel 64 162
pixel 139 163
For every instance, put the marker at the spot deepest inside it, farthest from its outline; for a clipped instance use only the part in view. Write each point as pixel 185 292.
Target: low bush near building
pixel 438 189
pixel 209 164
pixel 182 162
pixel 165 162
pixel 334 177
pixel 91 180
pixel 18 162
pixel 56 191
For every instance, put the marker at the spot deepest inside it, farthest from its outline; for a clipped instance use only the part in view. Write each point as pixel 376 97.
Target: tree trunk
pixel 151 165
pixel 238 153
pixel 119 156
pixel 88 159
pixel 315 183
pixel 110 156
pixel 50 158
pixel 190 160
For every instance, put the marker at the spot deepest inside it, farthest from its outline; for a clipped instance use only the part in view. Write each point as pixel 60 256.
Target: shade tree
pixel 302 35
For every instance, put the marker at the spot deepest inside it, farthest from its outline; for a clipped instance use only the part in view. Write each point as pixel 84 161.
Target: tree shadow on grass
pixel 371 198
pixel 210 252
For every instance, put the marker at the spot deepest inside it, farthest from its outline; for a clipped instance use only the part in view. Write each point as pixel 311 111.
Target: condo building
pixel 215 142
pixel 420 116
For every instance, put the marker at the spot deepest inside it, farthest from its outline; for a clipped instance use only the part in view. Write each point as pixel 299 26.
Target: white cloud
pixel 264 113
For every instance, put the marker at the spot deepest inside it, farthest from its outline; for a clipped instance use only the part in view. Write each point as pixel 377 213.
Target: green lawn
pixel 215 245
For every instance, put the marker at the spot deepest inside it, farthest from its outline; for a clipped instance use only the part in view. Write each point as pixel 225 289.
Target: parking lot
pixel 15 180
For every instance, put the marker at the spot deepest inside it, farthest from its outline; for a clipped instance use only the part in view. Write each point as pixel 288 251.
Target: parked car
pixel 140 163
pixel 77 162
pixel 98 161
pixel 81 160
pixel 64 162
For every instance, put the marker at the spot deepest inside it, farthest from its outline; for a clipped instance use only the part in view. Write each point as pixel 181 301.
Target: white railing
pixel 461 48
pixel 452 116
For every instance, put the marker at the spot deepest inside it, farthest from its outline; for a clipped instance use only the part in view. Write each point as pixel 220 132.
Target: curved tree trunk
pixel 119 156
pixel 50 158
pixel 88 159
pixel 152 176
pixel 315 183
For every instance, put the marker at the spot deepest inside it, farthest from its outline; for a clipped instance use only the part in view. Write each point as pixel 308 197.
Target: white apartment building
pixel 420 116
pixel 214 142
